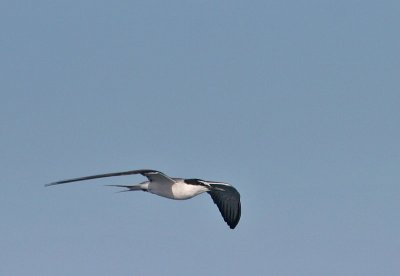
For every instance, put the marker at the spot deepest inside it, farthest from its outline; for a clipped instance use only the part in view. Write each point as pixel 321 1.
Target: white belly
pixel 178 190
pixel 185 191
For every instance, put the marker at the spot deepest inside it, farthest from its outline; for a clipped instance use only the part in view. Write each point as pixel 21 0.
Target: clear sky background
pixel 295 103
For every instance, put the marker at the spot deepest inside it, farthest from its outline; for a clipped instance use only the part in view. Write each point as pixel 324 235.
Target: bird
pixel 224 195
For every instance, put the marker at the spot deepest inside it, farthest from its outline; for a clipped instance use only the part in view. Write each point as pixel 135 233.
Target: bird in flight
pixel 224 195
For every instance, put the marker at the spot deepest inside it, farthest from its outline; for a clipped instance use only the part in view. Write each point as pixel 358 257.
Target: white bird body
pixel 225 196
pixel 178 190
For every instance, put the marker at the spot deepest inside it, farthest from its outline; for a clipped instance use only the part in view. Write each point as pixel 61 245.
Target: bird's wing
pixel 227 198
pixel 157 176
pixel 152 175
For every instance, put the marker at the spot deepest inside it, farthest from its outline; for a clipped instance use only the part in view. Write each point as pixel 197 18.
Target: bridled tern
pixel 224 195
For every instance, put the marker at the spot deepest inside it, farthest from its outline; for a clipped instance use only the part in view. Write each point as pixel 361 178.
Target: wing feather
pixel 227 199
pixel 150 174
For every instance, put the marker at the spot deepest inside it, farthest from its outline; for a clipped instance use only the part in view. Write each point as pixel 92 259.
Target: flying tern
pixel 224 195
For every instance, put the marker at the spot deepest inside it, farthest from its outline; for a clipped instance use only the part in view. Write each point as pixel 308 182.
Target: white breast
pixel 181 190
pixel 178 190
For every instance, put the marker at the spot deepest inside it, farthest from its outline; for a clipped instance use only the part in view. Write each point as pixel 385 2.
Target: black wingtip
pixel 50 184
pixel 228 203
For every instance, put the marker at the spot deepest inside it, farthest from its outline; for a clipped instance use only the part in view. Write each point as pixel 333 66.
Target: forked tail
pixel 129 188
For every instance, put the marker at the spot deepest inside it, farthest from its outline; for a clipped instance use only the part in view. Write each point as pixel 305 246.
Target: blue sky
pixel 295 103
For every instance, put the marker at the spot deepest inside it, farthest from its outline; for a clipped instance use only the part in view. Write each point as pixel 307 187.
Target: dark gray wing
pixel 150 174
pixel 157 176
pixel 227 198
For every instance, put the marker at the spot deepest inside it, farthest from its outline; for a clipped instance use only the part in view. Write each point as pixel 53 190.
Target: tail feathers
pixel 130 188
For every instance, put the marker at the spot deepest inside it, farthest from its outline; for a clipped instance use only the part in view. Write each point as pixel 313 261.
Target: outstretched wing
pixel 157 176
pixel 227 198
pixel 152 175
